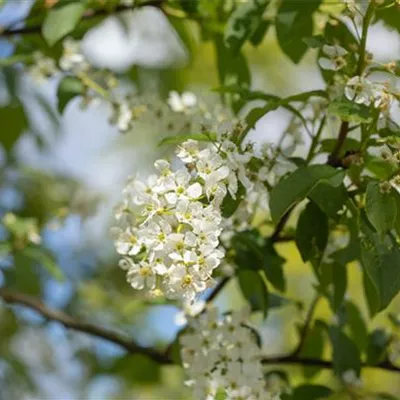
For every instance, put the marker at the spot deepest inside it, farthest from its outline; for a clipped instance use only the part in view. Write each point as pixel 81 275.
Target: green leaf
pixel 243 23
pixel 22 277
pixel 14 123
pixel 61 21
pixel 5 249
pixel 293 23
pixel 258 253
pixel 381 168
pixel 390 15
pixel 347 110
pixel 314 41
pixel 371 294
pixel 276 300
pixel 254 290
pixel 339 280
pixel 126 367
pixel 272 264
pixel 356 326
pixel 378 342
pixel 232 70
pixel 312 232
pixel 346 355
pixel 313 347
pixel 200 137
pixel 41 256
pixel 350 144
pixel 311 392
pixel 380 208
pixel 68 88
pixel 189 6
pixel 259 34
pixel 380 261
pixel 298 185
pixel 329 199
pixel 396 197
pixel 229 204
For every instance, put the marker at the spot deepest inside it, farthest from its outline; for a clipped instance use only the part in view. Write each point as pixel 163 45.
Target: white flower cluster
pixel 42 68
pixel 221 355
pixel 169 226
pixel 362 91
pixel 72 59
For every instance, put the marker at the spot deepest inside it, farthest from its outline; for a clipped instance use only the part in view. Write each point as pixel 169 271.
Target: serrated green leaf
pixel 68 89
pixel 380 208
pixel 312 232
pixel 298 185
pixel 61 21
pixel 347 110
pixel 200 137
pixel 254 290
pixel 243 23
pixel 346 355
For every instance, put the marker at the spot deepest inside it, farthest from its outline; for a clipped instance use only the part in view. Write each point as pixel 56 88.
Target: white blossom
pixel 359 90
pixel 335 59
pixel 169 226
pixel 72 59
pixel 221 355
pixel 122 116
pixel 42 68
pixel 181 103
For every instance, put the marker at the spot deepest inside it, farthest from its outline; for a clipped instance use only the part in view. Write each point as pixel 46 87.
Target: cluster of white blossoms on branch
pixel 221 355
pixel 169 226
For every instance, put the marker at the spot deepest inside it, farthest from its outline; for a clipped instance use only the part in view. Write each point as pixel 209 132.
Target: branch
pixel 132 347
pixel 89 15
pixel 316 362
pixel 129 345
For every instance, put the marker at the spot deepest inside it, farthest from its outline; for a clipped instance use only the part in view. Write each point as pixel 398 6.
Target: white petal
pixel 189 99
pixel 326 63
pixel 194 191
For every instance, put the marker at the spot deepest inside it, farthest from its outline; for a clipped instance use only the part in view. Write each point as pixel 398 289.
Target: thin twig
pixel 131 346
